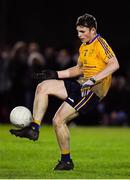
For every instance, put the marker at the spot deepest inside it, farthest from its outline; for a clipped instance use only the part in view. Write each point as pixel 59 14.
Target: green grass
pixel 98 153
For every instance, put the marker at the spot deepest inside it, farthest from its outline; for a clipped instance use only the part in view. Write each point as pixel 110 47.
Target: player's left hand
pixel 86 86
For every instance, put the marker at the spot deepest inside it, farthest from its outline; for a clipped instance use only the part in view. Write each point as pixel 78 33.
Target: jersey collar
pixel 93 39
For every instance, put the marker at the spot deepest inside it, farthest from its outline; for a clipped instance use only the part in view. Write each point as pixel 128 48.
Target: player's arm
pixel 107 54
pixel 51 74
pixel 71 72
pixel 110 68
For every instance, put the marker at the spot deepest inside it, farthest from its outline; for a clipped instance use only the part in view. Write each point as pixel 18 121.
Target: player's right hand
pixel 85 87
pixel 45 75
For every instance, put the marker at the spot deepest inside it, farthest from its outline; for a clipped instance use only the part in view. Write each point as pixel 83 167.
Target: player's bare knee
pixel 58 121
pixel 42 88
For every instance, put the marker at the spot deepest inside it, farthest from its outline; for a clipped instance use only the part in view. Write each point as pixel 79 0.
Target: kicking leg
pixel 43 90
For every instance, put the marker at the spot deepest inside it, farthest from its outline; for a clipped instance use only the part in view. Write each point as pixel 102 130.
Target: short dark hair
pixel 87 20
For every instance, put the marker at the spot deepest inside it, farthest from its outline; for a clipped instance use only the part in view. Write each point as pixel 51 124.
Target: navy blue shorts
pixel 80 104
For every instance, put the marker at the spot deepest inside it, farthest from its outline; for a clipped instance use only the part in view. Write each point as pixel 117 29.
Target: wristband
pixel 93 80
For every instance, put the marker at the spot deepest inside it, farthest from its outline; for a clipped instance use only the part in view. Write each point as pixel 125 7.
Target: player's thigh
pixel 64 114
pixel 53 87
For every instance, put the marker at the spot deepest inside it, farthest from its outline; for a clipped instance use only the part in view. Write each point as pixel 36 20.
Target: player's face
pixel 85 34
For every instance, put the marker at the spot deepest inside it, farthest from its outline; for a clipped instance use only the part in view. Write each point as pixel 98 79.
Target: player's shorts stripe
pixel 80 102
pixel 83 101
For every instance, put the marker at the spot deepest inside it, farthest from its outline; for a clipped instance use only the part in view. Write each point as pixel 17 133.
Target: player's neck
pixel 93 38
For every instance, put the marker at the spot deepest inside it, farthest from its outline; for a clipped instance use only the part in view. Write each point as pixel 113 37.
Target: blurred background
pixel 35 35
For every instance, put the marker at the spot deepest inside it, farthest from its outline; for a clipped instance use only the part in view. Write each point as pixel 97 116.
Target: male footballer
pixel 94 69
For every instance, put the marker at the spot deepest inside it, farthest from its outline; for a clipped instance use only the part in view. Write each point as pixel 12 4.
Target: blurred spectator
pixel 18 72
pixel 75 58
pixel 128 75
pixel 5 84
pixel 36 63
pixel 115 107
pixel 64 59
pixel 50 56
pixel 33 47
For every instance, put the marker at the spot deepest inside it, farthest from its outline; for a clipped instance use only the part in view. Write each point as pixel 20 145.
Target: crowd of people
pixel 19 62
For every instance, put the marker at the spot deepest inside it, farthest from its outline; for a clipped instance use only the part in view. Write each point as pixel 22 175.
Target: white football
pixel 20 116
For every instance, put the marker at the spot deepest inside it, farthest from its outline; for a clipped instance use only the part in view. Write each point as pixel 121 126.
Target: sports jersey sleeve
pixel 105 51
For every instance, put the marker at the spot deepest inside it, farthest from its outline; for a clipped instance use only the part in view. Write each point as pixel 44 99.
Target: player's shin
pixel 63 138
pixel 39 109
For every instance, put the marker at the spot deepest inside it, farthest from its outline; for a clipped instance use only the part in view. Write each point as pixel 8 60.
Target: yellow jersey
pixel 94 57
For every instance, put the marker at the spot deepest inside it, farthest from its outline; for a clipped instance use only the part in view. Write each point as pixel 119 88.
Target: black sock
pixel 65 157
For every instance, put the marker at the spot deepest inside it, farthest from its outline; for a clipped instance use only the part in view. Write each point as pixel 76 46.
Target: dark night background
pixel 52 23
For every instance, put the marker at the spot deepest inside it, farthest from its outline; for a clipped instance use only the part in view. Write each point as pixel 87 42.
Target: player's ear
pixel 93 30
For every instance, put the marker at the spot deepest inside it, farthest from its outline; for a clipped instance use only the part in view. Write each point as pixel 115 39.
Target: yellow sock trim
pixel 65 151
pixel 36 121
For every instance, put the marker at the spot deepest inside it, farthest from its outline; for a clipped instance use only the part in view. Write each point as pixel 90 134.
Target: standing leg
pixel 64 114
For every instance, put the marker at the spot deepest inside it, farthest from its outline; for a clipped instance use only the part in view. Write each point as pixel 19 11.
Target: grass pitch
pixel 98 153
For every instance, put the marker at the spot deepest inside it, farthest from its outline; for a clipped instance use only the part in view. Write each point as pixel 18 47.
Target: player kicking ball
pixel 94 69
